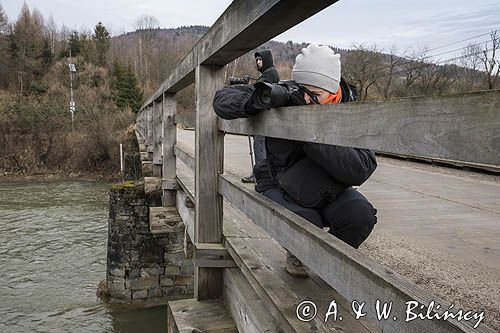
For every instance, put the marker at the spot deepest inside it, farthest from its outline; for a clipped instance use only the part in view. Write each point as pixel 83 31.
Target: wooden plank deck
pixel 262 260
pixel 191 316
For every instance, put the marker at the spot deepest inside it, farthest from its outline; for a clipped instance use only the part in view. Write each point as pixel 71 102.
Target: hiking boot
pixel 295 267
pixel 249 179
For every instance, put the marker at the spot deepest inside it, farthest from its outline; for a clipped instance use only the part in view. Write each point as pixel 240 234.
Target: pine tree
pixel 101 40
pixel 118 86
pixel 125 88
pixel 47 56
pixel 75 44
pixel 135 93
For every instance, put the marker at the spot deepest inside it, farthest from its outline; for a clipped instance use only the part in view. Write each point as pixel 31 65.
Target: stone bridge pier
pixel 145 265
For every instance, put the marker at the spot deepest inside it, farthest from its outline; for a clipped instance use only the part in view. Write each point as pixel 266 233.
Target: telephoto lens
pixel 276 95
pixel 271 95
pixel 239 80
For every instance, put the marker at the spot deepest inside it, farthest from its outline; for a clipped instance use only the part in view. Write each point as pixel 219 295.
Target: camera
pixel 271 95
pixel 239 80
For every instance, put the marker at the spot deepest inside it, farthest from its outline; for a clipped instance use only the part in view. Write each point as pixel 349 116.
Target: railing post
pixel 139 128
pixel 209 152
pixel 169 106
pixel 149 131
pixel 157 133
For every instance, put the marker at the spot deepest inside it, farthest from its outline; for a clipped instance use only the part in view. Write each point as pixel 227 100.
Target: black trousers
pixel 350 217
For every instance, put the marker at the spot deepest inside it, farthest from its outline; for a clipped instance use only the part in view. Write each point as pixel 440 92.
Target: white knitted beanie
pixel 318 66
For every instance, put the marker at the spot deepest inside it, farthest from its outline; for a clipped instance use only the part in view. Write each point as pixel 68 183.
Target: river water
pixel 53 238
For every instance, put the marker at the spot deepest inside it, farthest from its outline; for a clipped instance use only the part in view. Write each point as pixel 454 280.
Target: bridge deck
pixel 439 228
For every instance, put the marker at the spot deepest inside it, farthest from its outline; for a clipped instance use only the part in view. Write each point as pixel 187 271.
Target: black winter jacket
pixel 347 166
pixel 269 73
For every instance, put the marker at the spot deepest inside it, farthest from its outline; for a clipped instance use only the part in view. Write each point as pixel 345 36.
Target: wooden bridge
pixel 238 235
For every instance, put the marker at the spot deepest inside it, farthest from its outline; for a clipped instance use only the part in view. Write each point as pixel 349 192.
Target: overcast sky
pixel 419 24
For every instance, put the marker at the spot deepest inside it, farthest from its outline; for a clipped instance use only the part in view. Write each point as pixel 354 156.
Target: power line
pixel 454 50
pixel 422 65
pixel 459 57
pixel 409 61
pixel 460 41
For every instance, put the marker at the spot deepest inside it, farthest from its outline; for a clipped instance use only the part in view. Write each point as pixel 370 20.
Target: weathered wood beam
pixel 157 111
pixel 186 213
pixel 186 188
pixel 243 26
pixel 344 268
pixel 185 156
pixel 249 312
pixel 190 315
pixel 169 105
pixel 441 127
pixel 140 129
pixel 209 152
pixel 212 255
pixel 149 138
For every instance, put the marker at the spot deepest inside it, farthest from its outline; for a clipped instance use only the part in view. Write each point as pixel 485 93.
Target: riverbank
pixel 60 175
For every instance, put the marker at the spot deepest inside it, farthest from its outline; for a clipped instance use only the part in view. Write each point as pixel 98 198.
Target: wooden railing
pixel 421 127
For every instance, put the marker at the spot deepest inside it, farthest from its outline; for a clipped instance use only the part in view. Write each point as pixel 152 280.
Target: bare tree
pixel 469 74
pixel 147 27
pixel 391 61
pixel 434 79
pixel 51 33
pixel 363 68
pixel 147 22
pixel 3 21
pixel 490 59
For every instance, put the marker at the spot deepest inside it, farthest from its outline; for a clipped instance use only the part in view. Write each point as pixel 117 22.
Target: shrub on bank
pixel 37 136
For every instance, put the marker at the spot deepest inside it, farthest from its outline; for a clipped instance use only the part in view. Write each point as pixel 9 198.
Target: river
pixel 53 238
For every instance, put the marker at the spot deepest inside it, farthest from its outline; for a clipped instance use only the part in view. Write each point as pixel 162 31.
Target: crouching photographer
pixel 312 180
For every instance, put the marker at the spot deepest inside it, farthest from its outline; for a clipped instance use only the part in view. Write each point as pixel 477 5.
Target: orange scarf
pixel 333 98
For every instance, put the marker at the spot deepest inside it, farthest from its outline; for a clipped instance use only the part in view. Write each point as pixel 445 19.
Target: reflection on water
pixel 52 256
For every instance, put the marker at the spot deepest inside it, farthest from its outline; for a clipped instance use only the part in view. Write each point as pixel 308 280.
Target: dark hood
pixel 267 59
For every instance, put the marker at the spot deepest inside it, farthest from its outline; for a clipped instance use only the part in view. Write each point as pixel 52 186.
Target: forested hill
pixel 377 73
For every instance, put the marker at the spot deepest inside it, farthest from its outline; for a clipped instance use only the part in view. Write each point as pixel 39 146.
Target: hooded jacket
pixel 347 166
pixel 268 71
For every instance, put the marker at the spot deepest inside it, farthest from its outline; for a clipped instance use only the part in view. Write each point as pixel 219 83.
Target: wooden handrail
pixel 185 156
pixel 440 127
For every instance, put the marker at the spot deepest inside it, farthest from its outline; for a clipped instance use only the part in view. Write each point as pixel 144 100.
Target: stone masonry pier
pixel 144 265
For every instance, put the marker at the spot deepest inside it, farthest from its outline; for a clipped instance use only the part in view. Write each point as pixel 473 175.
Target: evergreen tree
pixel 47 56
pixel 87 48
pixel 101 40
pixel 13 49
pixel 125 88
pixel 75 44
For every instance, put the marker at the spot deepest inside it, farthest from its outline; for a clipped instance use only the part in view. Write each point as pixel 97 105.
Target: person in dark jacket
pixel 265 65
pixel 348 214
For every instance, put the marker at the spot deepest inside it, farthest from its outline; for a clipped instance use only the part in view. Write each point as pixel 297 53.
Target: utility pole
pixel 72 108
